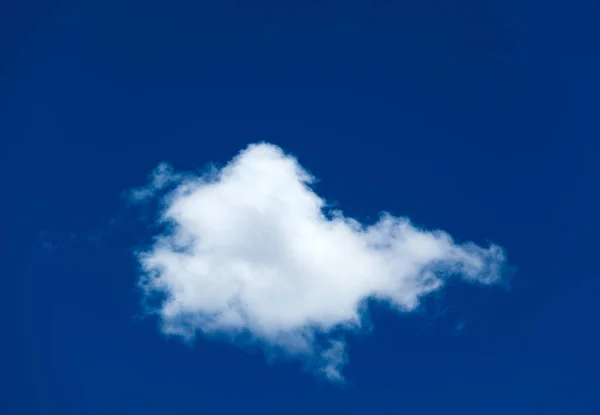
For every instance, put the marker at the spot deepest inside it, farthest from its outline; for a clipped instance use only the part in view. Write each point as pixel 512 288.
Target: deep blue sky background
pixel 479 117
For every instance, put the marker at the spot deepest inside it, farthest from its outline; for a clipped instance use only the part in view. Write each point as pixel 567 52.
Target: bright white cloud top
pixel 252 250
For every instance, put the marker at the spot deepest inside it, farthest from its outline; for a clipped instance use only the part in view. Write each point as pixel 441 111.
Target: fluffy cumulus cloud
pixel 250 251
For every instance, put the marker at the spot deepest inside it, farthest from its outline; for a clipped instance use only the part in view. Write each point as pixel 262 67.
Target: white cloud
pixel 160 177
pixel 253 250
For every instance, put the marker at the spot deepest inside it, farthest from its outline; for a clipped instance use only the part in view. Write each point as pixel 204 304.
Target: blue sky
pixel 474 118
